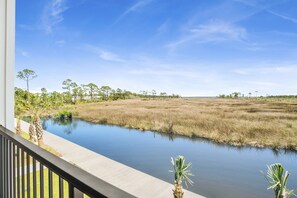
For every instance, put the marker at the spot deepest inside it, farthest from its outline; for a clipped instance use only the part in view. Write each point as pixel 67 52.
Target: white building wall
pixel 7 49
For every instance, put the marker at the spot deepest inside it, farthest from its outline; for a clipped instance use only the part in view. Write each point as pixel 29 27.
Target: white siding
pixel 7 42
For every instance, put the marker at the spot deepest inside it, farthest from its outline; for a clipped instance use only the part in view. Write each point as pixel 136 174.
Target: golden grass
pixel 256 122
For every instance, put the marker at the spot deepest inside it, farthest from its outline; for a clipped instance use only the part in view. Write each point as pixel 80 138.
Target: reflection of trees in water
pixel 170 136
pixel 68 125
pixel 281 152
pixel 276 152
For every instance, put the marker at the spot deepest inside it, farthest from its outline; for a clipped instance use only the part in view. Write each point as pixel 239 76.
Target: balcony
pixel 26 170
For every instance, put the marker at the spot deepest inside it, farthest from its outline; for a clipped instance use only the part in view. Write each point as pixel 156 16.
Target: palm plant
pixel 32 132
pixel 39 130
pixel 277 179
pixel 181 174
pixel 18 126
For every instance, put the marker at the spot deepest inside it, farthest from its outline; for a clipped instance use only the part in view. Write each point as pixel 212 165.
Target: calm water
pixel 220 170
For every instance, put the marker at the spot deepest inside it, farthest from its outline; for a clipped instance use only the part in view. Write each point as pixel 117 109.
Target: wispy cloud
pixel 267 9
pixel 103 54
pixel 26 27
pixel 60 43
pixel 24 53
pixel 53 15
pixel 138 5
pixel 291 19
pixel 267 70
pixel 213 31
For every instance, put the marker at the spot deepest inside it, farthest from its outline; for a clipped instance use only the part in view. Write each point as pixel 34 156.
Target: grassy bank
pixel 44 146
pixel 256 122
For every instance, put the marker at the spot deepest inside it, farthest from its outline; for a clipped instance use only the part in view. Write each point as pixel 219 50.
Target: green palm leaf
pixel 278 181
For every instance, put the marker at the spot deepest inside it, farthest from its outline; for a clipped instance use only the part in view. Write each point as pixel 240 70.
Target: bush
pixel 64 115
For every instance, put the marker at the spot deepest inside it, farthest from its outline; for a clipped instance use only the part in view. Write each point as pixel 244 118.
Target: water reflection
pixel 221 170
pixel 69 124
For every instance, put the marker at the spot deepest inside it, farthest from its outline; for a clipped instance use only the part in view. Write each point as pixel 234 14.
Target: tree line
pixel 35 104
pixel 74 93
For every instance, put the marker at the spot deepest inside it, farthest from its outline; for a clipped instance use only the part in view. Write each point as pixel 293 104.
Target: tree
pixel 19 107
pixel 154 93
pixel 80 93
pixel 163 94
pixel 235 94
pixel 75 92
pixel 44 98
pixel 56 99
pixel 39 130
pixel 181 174
pixel 37 107
pixel 92 89
pixel 32 131
pixel 106 91
pixel 27 75
pixel 277 179
pixel 69 86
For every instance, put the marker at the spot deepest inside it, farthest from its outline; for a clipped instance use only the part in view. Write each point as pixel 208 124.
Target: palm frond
pixel 277 180
pixel 181 170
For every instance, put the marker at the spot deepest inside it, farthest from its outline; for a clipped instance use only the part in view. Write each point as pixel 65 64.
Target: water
pixel 220 170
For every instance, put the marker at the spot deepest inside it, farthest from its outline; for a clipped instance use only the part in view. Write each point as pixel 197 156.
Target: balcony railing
pixel 27 170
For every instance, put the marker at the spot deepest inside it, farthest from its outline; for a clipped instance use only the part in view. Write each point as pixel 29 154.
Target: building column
pixel 7 50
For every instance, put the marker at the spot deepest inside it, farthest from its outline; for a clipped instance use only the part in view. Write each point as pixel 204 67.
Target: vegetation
pixel 44 146
pixel 277 179
pixel 181 174
pixel 26 75
pixel 233 95
pixel 256 122
pixel 64 115
pixel 37 105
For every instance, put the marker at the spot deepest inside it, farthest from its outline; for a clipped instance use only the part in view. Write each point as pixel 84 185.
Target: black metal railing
pixel 27 170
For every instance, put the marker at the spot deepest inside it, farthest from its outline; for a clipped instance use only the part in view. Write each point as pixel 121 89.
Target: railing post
pixel 74 192
pixel 78 194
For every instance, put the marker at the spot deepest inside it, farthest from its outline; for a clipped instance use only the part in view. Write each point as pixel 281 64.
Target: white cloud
pixel 103 54
pixel 139 4
pixel 60 43
pixel 24 53
pixel 53 15
pixel 26 27
pixel 267 70
pixel 213 31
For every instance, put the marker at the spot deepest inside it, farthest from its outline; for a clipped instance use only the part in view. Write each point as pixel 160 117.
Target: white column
pixel 7 50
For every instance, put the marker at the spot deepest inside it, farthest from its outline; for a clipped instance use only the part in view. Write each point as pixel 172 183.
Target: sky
pixel 186 47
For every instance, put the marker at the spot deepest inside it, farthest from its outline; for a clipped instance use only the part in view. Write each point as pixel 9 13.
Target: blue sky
pixel 188 47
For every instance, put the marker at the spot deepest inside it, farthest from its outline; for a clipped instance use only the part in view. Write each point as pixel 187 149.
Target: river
pixel 220 170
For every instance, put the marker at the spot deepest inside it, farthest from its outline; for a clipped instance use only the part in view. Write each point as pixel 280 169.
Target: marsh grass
pixel 256 122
